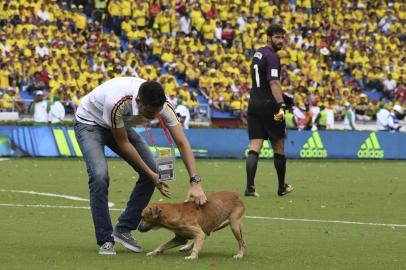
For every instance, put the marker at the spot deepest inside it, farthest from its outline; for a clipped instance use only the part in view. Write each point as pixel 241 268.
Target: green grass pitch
pixel 312 233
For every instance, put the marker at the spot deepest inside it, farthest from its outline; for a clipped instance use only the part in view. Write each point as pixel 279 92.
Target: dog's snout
pixel 143 227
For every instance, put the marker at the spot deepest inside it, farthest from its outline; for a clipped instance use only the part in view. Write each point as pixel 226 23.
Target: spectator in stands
pixel 400 92
pixel 362 107
pixel 330 124
pixel 389 86
pixel 395 118
pixel 35 83
pixel 5 71
pixel 314 111
pixel 349 117
pixel 321 119
pixel 18 101
pixel 56 111
pixel 184 115
pixel 39 109
pixel 8 100
pixel 374 79
pixel 113 16
pixel 185 23
pixel 43 14
pixel 382 118
pixel 302 116
pixel 41 49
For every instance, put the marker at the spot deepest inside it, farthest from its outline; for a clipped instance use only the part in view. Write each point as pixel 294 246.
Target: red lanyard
pixel 163 125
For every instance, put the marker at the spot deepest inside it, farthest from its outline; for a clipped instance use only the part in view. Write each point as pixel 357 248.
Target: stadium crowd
pixel 339 54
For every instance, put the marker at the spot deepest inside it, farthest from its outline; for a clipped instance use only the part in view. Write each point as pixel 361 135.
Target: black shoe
pixel 285 190
pixel 251 193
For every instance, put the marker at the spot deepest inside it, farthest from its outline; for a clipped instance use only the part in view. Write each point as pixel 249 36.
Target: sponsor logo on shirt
pixel 258 55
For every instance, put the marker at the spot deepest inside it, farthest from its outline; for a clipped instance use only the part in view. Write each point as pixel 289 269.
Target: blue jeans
pixel 92 140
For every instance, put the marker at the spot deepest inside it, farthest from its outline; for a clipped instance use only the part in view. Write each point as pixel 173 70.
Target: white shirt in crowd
pixel 56 112
pixel 98 67
pixel 44 15
pixel 330 118
pixel 183 111
pixel 389 84
pixel 382 119
pixel 129 70
pixel 218 33
pixel 394 124
pixel 41 51
pixel 41 112
pixel 342 46
pixel 184 25
pixel 4 48
pixel 315 112
pixel 241 22
pixel 112 105
pixel 300 117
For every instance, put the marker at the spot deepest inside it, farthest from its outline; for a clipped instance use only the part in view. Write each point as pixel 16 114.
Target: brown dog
pixel 189 221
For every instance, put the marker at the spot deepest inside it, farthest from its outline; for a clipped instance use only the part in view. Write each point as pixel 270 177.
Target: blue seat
pixel 373 95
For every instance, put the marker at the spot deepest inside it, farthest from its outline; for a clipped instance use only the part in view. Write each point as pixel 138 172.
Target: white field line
pixel 249 217
pixel 73 198
pixel 328 221
pixel 50 206
pixel 4 159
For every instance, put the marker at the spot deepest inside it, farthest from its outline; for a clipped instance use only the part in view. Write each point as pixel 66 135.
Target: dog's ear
pixel 156 212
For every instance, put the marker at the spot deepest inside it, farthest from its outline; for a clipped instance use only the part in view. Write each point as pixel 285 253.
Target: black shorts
pixel 265 127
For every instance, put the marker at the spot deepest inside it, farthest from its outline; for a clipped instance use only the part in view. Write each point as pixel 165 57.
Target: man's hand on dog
pixel 161 186
pixel 196 194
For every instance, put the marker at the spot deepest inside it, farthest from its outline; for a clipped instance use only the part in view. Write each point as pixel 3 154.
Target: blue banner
pixel 215 143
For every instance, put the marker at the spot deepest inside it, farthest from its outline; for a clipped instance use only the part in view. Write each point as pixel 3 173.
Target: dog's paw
pixel 238 256
pixel 153 253
pixel 191 257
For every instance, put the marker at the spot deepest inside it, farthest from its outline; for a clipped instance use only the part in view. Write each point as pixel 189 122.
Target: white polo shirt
pixel 112 103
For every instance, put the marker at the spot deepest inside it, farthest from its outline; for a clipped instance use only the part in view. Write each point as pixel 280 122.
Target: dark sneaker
pixel 107 249
pixel 286 189
pixel 251 193
pixel 127 240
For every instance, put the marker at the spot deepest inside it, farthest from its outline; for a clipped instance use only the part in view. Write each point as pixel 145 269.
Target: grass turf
pixel 359 191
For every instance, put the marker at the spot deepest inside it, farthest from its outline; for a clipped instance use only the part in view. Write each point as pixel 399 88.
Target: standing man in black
pixel 266 117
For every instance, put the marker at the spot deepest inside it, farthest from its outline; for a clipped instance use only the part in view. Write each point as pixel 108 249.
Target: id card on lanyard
pixel 165 159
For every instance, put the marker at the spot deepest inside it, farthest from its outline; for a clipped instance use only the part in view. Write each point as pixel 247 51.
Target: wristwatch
pixel 282 105
pixel 196 178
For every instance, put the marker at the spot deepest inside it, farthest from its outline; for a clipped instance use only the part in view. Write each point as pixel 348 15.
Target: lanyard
pixel 163 125
pixel 165 161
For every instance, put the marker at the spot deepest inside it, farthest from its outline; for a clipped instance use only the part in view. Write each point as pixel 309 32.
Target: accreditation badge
pixel 166 164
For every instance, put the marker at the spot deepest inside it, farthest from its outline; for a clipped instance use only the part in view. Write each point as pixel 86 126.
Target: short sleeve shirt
pixel 112 105
pixel 265 67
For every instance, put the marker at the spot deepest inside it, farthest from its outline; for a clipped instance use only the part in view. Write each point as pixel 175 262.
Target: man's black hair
pixel 275 29
pixel 152 94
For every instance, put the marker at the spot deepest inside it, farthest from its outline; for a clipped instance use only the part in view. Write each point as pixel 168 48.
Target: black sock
pixel 280 166
pixel 251 167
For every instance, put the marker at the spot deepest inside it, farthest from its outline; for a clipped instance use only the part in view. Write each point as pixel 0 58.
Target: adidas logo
pixel 266 151
pixel 371 148
pixel 313 148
